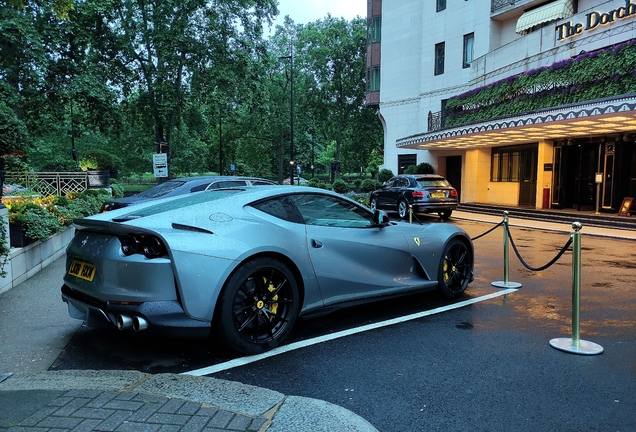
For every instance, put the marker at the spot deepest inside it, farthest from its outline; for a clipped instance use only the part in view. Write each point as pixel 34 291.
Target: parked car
pixel 297 181
pixel 426 193
pixel 184 185
pixel 244 263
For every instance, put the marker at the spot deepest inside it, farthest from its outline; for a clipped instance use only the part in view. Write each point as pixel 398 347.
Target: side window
pixel 230 183
pixel 199 188
pixel 390 182
pixel 282 208
pixel 323 210
pixel 261 183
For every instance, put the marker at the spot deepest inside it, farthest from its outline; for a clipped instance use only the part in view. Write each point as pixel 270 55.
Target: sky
pixel 304 11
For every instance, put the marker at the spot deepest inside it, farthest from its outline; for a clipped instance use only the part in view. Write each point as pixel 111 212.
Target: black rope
pixel 488 232
pixel 555 259
pixel 415 217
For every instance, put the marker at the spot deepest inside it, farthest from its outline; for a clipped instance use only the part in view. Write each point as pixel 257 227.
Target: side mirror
pixel 380 218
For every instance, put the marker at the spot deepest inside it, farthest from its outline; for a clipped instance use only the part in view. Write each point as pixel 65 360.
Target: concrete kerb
pixel 283 412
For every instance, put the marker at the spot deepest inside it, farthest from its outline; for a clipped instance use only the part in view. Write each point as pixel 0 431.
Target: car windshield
pixel 178 203
pixel 161 189
pixel 433 183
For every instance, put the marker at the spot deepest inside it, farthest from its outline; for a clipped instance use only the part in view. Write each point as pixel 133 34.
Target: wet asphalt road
pixel 487 366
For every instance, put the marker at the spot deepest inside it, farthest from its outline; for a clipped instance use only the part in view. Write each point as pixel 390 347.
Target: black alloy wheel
pixel 257 307
pixel 445 214
pixel 455 268
pixel 402 208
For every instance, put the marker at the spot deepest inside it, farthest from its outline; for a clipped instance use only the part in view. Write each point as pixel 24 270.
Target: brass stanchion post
pixel 575 344
pixel 506 283
pixel 410 213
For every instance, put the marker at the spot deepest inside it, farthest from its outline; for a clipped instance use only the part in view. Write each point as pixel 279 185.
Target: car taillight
pixel 149 246
pixel 453 193
pixel 420 194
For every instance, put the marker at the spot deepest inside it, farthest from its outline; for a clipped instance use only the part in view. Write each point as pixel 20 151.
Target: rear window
pixel 433 183
pixel 177 203
pixel 161 189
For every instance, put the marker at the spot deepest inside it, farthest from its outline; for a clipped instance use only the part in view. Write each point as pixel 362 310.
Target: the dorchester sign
pixel 595 19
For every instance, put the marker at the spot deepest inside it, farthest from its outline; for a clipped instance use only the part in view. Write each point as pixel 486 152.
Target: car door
pixel 351 257
pixel 384 194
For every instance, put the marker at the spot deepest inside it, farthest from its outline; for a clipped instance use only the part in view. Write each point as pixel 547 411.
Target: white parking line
pixel 297 345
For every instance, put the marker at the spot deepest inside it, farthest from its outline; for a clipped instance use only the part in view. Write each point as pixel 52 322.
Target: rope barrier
pixel 488 232
pixel 555 259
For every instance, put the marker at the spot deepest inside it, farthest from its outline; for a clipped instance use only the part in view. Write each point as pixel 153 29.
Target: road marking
pixel 298 345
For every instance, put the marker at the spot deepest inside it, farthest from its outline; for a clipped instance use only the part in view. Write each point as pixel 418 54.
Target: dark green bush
pixel 368 185
pixel 340 186
pixel 385 174
pixel 61 165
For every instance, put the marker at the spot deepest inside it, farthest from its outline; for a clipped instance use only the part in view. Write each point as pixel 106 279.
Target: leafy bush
pixel 411 169
pixel 100 160
pixel 368 185
pixel 44 216
pixel 424 168
pixel 15 164
pixel 340 186
pixel 116 188
pixel 61 165
pixel 385 174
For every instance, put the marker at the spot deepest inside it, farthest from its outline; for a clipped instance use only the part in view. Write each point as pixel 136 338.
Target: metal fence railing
pixel 49 183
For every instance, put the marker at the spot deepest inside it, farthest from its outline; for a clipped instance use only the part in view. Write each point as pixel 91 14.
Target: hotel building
pixel 517 102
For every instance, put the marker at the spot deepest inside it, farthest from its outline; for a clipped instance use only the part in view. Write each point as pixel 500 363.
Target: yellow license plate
pixel 438 195
pixel 82 270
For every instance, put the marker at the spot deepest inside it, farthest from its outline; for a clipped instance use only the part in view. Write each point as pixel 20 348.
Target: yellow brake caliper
pixel 445 270
pixel 273 306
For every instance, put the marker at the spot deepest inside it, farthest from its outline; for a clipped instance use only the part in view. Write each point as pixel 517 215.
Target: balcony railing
pixel 500 4
pixel 49 183
pixel 434 121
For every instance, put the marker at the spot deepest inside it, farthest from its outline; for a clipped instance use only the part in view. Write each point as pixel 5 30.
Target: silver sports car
pixel 244 263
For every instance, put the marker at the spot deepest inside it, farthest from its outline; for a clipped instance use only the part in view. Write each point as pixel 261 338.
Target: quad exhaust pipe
pixel 124 322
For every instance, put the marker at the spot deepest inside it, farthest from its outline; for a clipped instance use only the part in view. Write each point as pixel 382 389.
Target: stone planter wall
pixel 27 261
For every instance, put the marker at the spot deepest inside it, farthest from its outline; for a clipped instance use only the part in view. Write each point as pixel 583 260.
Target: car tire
pixel 445 214
pixel 257 307
pixel 455 268
pixel 373 203
pixel 403 209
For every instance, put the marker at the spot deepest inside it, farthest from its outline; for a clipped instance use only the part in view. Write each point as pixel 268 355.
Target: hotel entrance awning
pixel 554 11
pixel 601 117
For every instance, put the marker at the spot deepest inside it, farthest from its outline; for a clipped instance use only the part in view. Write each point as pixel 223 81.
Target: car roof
pixel 213 178
pixel 436 176
pixel 226 198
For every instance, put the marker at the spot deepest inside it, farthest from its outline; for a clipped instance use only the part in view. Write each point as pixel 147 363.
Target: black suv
pixel 426 193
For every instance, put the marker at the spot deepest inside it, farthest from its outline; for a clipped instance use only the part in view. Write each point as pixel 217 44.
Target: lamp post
pixel 291 113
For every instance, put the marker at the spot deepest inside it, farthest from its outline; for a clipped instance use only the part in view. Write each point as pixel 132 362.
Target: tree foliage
pixel 120 76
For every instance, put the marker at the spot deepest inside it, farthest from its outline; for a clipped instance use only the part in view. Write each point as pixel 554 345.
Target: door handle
pixel 316 244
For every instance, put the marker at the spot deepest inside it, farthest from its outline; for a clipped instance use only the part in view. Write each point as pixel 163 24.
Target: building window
pixel 439 58
pixel 374 30
pixel 373 79
pixel 469 49
pixel 441 5
pixel 405 161
pixel 505 164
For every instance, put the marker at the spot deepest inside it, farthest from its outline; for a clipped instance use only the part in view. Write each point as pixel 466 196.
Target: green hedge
pixel 590 76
